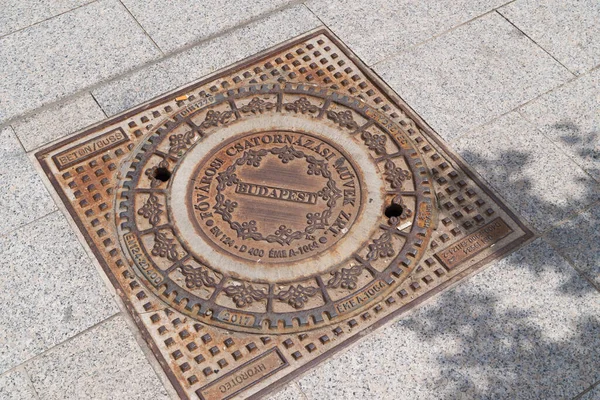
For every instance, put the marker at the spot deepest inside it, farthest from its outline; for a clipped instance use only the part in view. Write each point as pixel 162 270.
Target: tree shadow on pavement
pixel 527 326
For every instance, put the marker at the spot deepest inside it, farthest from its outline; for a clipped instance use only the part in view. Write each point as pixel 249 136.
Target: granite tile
pixel 176 23
pixel 593 394
pixel 472 74
pixel 570 116
pixel 400 24
pixel 290 392
pixel 15 385
pixel 58 121
pixel 579 240
pixel 527 327
pixel 49 290
pixel 62 55
pixel 19 14
pixel 203 59
pixel 102 363
pixel 567 29
pixel 23 197
pixel 542 183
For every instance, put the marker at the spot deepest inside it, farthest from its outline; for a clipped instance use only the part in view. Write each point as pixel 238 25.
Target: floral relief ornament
pixel 151 210
pixel 243 295
pixel 297 296
pixel 196 277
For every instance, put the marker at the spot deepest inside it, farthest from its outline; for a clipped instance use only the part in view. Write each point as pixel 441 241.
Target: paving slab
pixel 400 24
pixel 472 74
pixel 529 171
pixel 567 29
pixel 593 394
pixel 24 197
pixel 524 328
pixel 103 363
pixel 58 121
pixel 578 240
pixel 203 59
pixel 19 14
pixel 49 290
pixel 290 392
pixel 15 385
pixel 176 23
pixel 80 48
pixel 570 116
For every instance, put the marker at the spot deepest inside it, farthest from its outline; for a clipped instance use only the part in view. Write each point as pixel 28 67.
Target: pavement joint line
pixel 99 106
pixel 5 234
pixel 24 363
pixel 429 39
pixel 140 67
pixel 545 236
pixel 30 381
pixel 49 18
pixel 586 391
pixel 295 384
pixel 12 128
pixel 556 144
pixel 536 43
pixel 520 106
pixel 142 28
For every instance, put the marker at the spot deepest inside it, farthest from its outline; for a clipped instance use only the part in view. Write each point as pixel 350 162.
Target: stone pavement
pixel 514 87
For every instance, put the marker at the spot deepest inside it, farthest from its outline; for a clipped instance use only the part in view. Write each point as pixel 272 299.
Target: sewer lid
pixel 258 221
pixel 269 203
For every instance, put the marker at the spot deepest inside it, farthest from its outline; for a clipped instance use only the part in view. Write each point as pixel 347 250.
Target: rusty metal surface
pixel 256 222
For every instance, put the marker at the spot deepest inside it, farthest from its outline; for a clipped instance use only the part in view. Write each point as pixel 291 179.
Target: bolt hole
pixel 393 210
pixel 162 174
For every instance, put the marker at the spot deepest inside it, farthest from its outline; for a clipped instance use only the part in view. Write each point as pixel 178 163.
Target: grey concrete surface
pixel 19 14
pixel 567 29
pixel 203 59
pixel 23 195
pixel 16 385
pixel 176 23
pixel 570 116
pixel 528 170
pixel 102 363
pixel 63 55
pixel 58 121
pixel 45 274
pixel 472 74
pixel 378 29
pixel 525 328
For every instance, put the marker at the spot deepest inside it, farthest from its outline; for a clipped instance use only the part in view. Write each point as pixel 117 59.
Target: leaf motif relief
pixel 395 175
pixel 297 296
pixel 302 106
pixel 243 295
pixel 164 247
pixel 343 119
pixel 257 106
pixel 151 210
pixel 346 278
pixel 381 248
pixel 180 142
pixel 196 277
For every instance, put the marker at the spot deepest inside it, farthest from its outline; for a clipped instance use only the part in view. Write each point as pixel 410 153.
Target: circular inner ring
pixel 275 196
pixel 269 205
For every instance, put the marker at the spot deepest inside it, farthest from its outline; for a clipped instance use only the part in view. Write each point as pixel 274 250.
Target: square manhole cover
pixel 258 221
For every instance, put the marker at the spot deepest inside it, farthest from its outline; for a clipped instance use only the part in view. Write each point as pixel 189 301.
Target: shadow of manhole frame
pixel 91 172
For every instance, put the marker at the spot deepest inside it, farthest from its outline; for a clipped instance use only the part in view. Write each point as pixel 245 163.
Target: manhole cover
pixel 256 222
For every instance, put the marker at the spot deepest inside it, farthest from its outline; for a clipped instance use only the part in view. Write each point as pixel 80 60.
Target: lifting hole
pixel 393 210
pixel 162 174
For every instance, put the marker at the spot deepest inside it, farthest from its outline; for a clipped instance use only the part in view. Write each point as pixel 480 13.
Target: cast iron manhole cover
pixel 256 222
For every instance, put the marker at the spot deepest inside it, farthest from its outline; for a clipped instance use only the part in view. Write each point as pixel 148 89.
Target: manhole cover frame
pixel 275 354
